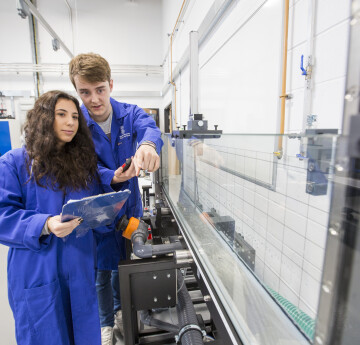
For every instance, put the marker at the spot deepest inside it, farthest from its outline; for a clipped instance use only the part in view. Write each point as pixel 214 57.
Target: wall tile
pixel 314 254
pixel 260 218
pixel 330 12
pixel 276 211
pixel 281 180
pixel 321 202
pixel 318 216
pixel 297 206
pixel 261 203
pixel 316 233
pixel 277 198
pixel 293 255
pixel 296 222
pixel 290 274
pixel 307 310
pixel 271 279
pixel 296 186
pixel 329 113
pixel 263 171
pixel 262 191
pixel 249 196
pixel 259 268
pixel 259 246
pixel 297 19
pixel 271 240
pixel 275 228
pixel 295 81
pixel 288 293
pixel 295 106
pixel 312 270
pixel 294 241
pixel 310 291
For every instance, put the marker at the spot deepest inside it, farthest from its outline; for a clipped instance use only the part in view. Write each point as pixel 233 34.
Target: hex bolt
pixel 310 187
pixel 326 288
pixel 333 232
pixel 207 298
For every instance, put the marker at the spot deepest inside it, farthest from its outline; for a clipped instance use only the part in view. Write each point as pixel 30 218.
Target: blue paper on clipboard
pixel 98 210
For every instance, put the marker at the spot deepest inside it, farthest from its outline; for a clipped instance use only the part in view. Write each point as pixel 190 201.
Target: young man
pixel 119 131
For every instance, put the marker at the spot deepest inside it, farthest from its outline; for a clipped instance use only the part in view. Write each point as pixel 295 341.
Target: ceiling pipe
pixel 148 70
pixel 46 26
pixel 72 24
pixel 213 16
pixel 180 20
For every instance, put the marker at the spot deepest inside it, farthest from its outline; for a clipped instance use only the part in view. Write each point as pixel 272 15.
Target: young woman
pixel 51 276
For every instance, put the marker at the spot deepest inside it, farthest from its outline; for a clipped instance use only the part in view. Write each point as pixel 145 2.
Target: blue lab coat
pixel 51 282
pixel 129 128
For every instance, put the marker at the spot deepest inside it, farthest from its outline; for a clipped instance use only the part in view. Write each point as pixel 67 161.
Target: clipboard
pixel 99 210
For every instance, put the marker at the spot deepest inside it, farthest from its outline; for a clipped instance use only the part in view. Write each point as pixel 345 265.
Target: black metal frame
pixel 127 271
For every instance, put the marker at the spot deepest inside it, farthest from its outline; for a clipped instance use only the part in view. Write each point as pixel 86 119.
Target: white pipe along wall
pixel 239 86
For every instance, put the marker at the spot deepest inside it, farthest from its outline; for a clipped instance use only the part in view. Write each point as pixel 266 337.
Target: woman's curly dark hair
pixel 70 167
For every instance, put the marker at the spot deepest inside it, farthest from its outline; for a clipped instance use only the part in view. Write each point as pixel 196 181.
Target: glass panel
pixel 257 221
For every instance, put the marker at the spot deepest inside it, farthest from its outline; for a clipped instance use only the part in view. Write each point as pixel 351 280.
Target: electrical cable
pixel 182 284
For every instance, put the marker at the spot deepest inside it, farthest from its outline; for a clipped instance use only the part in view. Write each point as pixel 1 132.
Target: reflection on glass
pixel 258 225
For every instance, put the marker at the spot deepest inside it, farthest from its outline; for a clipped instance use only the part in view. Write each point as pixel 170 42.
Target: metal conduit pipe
pixel 149 320
pixel 142 250
pixel 283 95
pixel 190 332
pixel 171 69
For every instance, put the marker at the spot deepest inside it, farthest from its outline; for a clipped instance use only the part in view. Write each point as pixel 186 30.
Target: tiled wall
pixel 240 72
pixel 286 226
pixel 329 66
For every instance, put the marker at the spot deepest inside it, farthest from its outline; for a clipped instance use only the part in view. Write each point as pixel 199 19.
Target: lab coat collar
pixel 118 108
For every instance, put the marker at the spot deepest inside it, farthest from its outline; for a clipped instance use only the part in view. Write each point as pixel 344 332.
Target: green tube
pixel 304 321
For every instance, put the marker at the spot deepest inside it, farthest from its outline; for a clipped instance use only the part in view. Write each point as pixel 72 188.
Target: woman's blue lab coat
pixel 130 127
pixel 51 282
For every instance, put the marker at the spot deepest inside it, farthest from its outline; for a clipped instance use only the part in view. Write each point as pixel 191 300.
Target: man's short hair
pixel 91 67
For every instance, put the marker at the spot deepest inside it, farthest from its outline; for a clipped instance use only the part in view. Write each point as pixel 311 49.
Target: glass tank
pixel 256 218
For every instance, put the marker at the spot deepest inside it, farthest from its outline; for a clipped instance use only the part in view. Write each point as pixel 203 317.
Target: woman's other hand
pixel 62 229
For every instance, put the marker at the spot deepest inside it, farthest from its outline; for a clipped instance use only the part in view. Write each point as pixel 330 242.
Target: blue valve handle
pixel 302 66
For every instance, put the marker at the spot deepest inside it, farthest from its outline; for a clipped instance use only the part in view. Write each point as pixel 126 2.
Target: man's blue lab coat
pixel 130 127
pixel 51 281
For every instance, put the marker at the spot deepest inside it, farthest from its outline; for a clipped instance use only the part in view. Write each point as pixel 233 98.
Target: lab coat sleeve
pixel 146 129
pixel 19 228
pixel 106 175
